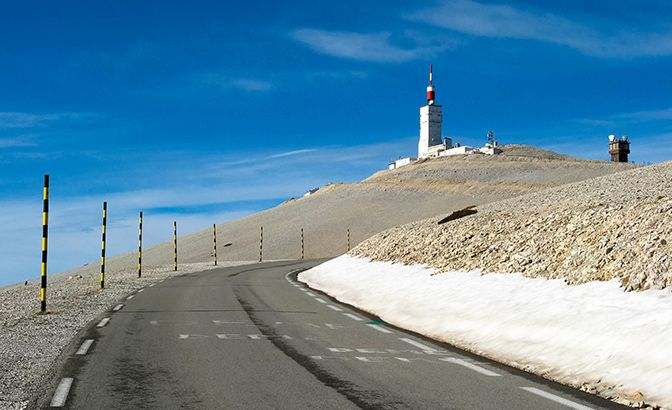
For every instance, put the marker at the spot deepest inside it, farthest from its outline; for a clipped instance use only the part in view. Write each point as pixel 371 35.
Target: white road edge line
pixel 417 344
pixel 351 316
pixel 336 308
pixel 557 399
pixel 470 366
pixel 320 300
pixel 118 307
pixel 379 328
pixel 103 322
pixel 61 394
pixel 84 348
pixel 130 297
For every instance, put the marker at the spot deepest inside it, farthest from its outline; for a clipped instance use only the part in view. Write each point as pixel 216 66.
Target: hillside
pixel 386 199
pixel 617 226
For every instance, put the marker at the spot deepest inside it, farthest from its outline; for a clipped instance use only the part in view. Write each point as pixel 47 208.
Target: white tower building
pixel 430 122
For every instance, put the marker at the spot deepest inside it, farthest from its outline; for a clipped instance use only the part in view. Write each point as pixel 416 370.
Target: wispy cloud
pixel 16 142
pixel 225 81
pixel 25 120
pixel 9 119
pixel 378 47
pixel 641 117
pixel 291 153
pixel 505 21
pixel 650 115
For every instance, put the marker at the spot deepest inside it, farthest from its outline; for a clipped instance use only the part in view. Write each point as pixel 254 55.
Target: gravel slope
pixel 384 200
pixel 616 226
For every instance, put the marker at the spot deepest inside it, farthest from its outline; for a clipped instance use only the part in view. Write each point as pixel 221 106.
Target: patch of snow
pixel 593 334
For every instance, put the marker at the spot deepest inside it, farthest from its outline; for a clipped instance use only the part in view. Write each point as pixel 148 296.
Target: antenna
pixel 491 137
pixel 430 88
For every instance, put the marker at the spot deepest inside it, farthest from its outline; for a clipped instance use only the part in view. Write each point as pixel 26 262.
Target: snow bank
pixel 593 336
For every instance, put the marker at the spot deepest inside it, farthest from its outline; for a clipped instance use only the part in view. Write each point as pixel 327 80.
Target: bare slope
pixel 617 226
pixel 386 199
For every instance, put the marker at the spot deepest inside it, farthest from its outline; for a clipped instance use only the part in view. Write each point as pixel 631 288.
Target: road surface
pixel 253 337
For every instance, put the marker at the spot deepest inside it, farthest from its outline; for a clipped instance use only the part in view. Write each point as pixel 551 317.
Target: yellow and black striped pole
pixel 348 240
pixel 302 245
pixel 102 251
pixel 140 247
pixel 261 244
pixel 175 243
pixel 45 235
pixel 214 242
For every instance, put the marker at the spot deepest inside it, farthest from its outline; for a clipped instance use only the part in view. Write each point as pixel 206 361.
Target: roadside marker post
pixel 140 247
pixel 45 235
pixel 214 242
pixel 302 245
pixel 261 244
pixel 102 250
pixel 175 244
pixel 348 240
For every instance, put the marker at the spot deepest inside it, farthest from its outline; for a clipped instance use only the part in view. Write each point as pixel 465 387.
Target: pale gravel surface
pixel 616 226
pixel 30 343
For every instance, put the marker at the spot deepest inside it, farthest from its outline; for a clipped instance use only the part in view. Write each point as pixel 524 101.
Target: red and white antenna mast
pixel 430 88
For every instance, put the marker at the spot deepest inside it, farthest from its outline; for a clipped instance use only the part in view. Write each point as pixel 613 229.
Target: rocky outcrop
pixel 615 226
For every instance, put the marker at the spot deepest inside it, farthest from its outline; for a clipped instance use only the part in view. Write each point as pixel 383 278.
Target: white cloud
pixel 24 119
pixel 376 47
pixel 650 115
pixel 225 81
pixel 291 153
pixel 505 21
pixel 11 119
pixel 251 84
pixel 16 142
pixel 629 118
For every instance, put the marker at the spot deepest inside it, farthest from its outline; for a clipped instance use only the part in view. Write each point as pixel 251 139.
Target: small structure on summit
pixel 431 143
pixel 619 148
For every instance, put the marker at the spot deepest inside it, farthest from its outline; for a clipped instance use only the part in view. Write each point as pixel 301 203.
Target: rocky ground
pixel 615 226
pixel 30 343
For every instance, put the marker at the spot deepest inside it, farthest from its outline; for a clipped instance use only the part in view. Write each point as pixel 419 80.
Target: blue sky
pixel 208 111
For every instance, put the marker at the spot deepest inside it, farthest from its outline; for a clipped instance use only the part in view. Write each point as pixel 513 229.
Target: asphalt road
pixel 252 337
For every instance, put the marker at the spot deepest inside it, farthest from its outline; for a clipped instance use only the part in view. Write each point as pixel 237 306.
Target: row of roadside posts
pixel 45 237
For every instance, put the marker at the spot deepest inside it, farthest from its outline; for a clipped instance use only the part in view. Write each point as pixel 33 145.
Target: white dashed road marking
pixel 470 366
pixel 555 398
pixel 118 307
pixel 130 297
pixel 152 285
pixel 103 322
pixel 141 290
pixel 417 344
pixel 84 348
pixel 61 394
pixel 320 300
pixel 336 308
pixel 379 328
pixel 303 290
pixel 310 294
pixel 354 317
